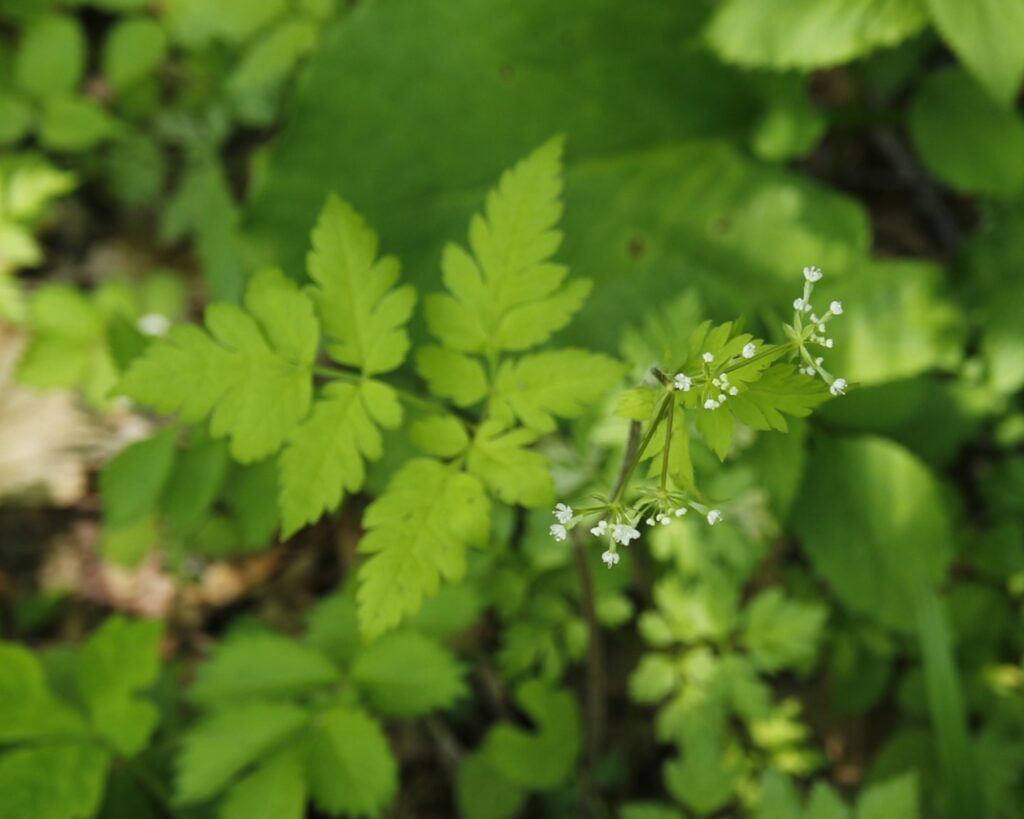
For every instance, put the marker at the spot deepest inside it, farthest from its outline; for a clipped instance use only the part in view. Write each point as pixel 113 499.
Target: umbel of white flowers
pixel 812 366
pixel 621 532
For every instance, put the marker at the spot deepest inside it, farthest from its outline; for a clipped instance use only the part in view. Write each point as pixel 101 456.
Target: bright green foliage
pixel 362 313
pixel 984 35
pixel 259 665
pixel 517 475
pixel 700 780
pixel 28 710
pixel 452 375
pixel 508 295
pixel 540 759
pixel 15 118
pixel 383 671
pixel 117 663
pixel 810 33
pixel 73 124
pixel 250 371
pixel 51 57
pixel 133 49
pixel 441 435
pixel 483 793
pixel 966 138
pixel 893 799
pixel 349 766
pixel 132 481
pixel 196 22
pixel 52 782
pixel 276 789
pixel 898 537
pixel 223 745
pixel 417 533
pixel 270 59
pixel 561 383
pixel 781 633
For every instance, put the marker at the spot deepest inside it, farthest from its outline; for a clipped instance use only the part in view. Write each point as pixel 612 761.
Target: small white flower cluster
pixel 683 382
pixel 813 275
pixel 620 533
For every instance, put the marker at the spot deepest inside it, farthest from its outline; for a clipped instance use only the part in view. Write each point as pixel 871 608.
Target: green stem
pixel 648 436
pixel 405 396
pixel 668 443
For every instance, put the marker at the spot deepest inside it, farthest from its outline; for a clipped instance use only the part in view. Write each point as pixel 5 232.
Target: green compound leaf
pixel 985 34
pixel 452 375
pixel 408 675
pixel 362 313
pixel 349 765
pixel 542 759
pixel 782 633
pixel 417 533
pixel 116 663
pixel 559 383
pixel 28 709
pixel 224 744
pixel 810 33
pixel 325 456
pixel 498 456
pixel 52 782
pixel 275 790
pixel 260 665
pixel 507 295
pixel 250 371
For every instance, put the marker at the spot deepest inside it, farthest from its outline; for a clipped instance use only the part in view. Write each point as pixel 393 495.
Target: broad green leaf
pixel 498 456
pixel 780 391
pixel 654 678
pixel 250 371
pixel 52 782
pixel 984 35
pixel 507 294
pixel 965 138
pixel 779 799
pixel 362 312
pixel 16 118
pixel 542 759
pixel 260 665
pixel 408 675
pixel 28 709
pixel 444 436
pixel 133 49
pixel 275 790
pixel 782 633
pixel 132 481
pixel 452 375
pixel 417 534
pixel 221 746
pixel 876 526
pixel 702 779
pixel 825 803
pixel 483 793
pixel 325 456
pixel 251 493
pixel 51 57
pixel 194 483
pixel 561 383
pixel 349 766
pixel 334 628
pixel 73 124
pixel 894 799
pixel 114 665
pixel 269 60
pixel 197 22
pixel 128 544
pixel 810 33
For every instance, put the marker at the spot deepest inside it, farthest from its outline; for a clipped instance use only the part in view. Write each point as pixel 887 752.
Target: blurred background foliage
pixel 850 645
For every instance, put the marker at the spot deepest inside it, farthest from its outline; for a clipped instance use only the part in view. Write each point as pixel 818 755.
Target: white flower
pixel 798 304
pixel 563 512
pixel 610 558
pixel 828 343
pixel 558 531
pixel 815 319
pixel 710 404
pixel 714 516
pixel 664 519
pixel 724 379
pixel 683 382
pixel 838 386
pixel 812 274
pixel 680 511
pixel 716 382
pixel 808 307
pixel 623 533
pixel 721 397
pixel 650 521
pixel 708 357
pixel 836 308
pixel 734 391
pixel 821 328
pixel 600 529
pixel 749 349
pixel 153 324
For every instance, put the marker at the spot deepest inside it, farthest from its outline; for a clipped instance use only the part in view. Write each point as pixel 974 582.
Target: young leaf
pixel 408 675
pixel 250 371
pixel 507 295
pixel 541 759
pixel 782 633
pixel 52 781
pixel 118 661
pixel 275 790
pixel 517 475
pixel 260 665
pixel 349 766
pixel 417 533
pixel 362 313
pixel 325 455
pixel 223 745
pixel 557 383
